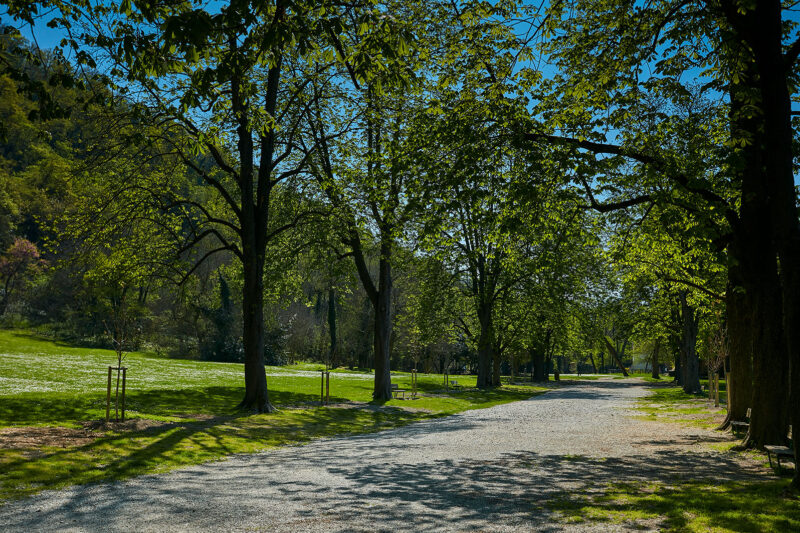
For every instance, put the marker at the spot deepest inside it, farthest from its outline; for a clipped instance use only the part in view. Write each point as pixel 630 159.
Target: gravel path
pixel 484 470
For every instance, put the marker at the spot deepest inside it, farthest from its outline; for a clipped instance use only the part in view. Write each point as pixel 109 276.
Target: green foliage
pixel 221 342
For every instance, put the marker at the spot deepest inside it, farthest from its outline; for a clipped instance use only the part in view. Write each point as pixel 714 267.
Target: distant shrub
pixel 275 340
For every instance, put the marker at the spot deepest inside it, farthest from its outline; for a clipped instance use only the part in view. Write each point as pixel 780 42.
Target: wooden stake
pixel 108 396
pixel 322 387
pixel 716 389
pixel 327 388
pixel 124 370
pixel 116 398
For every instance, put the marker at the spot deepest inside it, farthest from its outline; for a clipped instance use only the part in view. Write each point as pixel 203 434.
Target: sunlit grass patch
pixel 688 506
pixel 672 404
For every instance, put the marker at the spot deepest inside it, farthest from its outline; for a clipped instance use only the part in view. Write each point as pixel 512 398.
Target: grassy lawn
pixel 671 404
pixel 686 505
pixel 182 410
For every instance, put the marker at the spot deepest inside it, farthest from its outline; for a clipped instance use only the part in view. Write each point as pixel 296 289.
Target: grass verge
pixel 671 404
pixel 687 507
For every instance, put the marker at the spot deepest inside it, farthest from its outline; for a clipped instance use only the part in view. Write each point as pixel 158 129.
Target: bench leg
pixel 778 457
pixel 769 456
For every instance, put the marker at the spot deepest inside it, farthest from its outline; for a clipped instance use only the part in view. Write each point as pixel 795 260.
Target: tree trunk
pixel 594 366
pixel 689 357
pixel 779 176
pixel 485 343
pixel 740 349
pixel 495 367
pixel 773 68
pixel 538 362
pixel 615 355
pixel 654 370
pixel 383 330
pixel 256 396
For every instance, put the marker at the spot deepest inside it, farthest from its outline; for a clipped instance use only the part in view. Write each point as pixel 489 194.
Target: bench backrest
pixel 748 413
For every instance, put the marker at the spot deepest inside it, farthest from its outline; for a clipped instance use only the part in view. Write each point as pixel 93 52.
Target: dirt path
pixel 487 470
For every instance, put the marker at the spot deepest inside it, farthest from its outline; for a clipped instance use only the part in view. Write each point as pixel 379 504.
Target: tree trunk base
pixel 747 443
pixel 256 407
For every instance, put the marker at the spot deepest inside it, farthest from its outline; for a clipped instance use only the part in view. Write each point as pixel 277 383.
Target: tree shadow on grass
pixel 60 408
pixel 173 444
pixel 74 408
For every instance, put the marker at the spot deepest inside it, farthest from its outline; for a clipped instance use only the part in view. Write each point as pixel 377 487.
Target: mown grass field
pixel 185 411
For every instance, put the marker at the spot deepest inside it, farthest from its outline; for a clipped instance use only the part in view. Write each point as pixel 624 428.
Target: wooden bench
pixel 781 451
pixel 454 384
pixel 740 425
pixel 398 392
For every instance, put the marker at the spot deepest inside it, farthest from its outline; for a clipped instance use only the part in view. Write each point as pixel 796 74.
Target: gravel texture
pixel 484 470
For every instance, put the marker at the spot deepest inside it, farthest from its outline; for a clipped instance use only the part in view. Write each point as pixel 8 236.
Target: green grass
pixel 671 404
pixel 43 383
pixel 647 376
pixel 687 507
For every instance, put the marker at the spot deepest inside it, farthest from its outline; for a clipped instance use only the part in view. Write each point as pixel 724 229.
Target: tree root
pixel 256 407
pixel 746 444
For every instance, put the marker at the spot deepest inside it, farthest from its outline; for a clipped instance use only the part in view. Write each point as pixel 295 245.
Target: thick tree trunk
pixel 762 301
pixel 538 362
pixel 770 392
pixel 770 369
pixel 779 175
pixel 495 367
pixel 678 368
pixel 689 358
pixel 485 343
pixel 380 300
pixel 654 361
pixel 383 331
pixel 256 396
pixel 743 285
pixel 740 349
